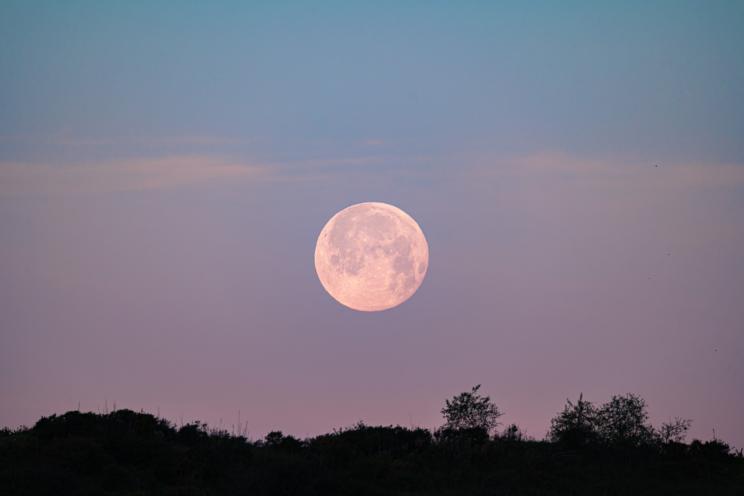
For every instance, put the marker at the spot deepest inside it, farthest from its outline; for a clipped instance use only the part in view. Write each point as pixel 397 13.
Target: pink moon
pixel 371 256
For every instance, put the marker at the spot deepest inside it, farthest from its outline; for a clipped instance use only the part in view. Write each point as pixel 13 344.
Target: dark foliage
pixel 576 425
pixel 675 431
pixel 127 453
pixel 470 410
pixel 624 421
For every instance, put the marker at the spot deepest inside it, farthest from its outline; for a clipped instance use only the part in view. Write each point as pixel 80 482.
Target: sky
pixel 576 167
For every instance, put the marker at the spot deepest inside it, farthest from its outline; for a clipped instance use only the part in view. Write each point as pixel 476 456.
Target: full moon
pixel 371 256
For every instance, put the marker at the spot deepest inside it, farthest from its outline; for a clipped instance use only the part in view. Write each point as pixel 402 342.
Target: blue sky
pixel 662 78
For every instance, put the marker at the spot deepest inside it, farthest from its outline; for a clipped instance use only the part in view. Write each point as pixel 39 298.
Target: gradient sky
pixel 166 167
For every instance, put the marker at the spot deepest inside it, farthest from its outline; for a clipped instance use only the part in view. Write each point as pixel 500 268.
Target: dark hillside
pixel 128 453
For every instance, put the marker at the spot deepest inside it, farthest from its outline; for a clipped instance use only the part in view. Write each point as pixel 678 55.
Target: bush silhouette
pixel 126 453
pixel 624 421
pixel 576 425
pixel 470 410
pixel 512 433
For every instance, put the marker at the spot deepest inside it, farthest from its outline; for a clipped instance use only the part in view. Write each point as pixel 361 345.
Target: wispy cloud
pixel 123 175
pixel 67 140
pixel 562 168
pixel 683 203
pixel 174 171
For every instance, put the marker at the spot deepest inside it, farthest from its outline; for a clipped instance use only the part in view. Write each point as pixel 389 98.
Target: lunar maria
pixel 371 256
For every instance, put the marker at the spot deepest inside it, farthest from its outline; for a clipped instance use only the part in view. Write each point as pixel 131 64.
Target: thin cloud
pixel 611 172
pixel 176 171
pixel 65 140
pixel 683 203
pixel 123 175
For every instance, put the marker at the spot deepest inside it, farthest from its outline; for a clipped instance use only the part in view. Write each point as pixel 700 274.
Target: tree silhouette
pixel 126 453
pixel 576 425
pixel 623 421
pixel 470 410
pixel 674 431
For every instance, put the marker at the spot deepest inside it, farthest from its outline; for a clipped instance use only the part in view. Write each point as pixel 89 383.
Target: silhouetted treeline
pixel 607 449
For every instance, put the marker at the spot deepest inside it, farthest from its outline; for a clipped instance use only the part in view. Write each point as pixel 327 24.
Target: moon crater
pixel 371 256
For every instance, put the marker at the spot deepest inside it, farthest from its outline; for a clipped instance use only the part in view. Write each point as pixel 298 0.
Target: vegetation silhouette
pixel 607 449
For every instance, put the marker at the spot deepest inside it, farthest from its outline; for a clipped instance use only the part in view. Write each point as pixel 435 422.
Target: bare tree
pixel 674 431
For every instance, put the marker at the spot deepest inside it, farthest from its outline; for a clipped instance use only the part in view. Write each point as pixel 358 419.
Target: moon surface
pixel 371 256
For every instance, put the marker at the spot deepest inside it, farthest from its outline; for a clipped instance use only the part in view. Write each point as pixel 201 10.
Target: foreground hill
pixel 128 453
